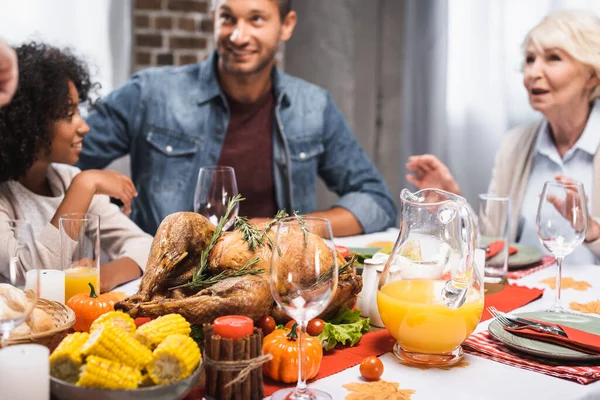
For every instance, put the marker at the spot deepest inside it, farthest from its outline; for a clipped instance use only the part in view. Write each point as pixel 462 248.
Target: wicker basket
pixel 63 318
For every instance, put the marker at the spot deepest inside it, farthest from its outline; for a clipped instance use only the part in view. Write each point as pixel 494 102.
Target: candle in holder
pixel 24 372
pixel 52 284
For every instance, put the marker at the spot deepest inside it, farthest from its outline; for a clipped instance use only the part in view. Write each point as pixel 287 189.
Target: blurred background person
pixel 561 72
pixel 41 136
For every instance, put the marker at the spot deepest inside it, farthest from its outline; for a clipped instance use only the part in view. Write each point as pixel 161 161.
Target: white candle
pixel 24 372
pixel 52 284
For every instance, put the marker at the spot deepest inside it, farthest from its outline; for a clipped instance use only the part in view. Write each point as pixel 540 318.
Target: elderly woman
pixel 41 135
pixel 561 75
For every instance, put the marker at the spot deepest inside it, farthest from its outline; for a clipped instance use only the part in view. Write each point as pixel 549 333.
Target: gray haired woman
pixel 561 73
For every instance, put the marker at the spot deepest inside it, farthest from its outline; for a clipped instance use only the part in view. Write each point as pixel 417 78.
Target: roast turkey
pixel 175 256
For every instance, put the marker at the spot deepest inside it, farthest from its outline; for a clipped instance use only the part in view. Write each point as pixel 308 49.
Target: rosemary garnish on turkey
pixel 256 237
pixel 200 279
pixel 302 227
pixel 344 269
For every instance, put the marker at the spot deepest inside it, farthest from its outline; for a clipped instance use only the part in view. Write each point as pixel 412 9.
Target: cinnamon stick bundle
pixel 220 357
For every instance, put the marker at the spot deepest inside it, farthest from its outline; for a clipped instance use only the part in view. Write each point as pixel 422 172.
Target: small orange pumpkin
pixel 283 346
pixel 89 307
pixel 118 296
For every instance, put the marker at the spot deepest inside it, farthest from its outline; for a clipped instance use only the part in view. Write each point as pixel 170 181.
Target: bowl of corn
pixel 116 361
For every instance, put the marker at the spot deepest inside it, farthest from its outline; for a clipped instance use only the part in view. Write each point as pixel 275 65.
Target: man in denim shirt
pixel 174 120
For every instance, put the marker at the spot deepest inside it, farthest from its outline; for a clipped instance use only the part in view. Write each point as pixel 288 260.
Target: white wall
pixel 97 30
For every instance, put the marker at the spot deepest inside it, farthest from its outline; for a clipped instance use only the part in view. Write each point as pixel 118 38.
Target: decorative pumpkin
pixel 118 296
pixel 89 307
pixel 282 344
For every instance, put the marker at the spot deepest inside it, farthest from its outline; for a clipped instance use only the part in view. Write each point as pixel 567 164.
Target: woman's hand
pixel 429 172
pixel 110 183
pixel 571 202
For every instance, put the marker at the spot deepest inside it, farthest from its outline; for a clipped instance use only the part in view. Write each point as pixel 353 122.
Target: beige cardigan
pixel 512 169
pixel 119 236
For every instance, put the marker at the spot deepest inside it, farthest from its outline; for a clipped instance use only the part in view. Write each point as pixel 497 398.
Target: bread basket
pixel 63 318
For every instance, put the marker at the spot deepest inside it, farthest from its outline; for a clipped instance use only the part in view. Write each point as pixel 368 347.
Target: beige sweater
pixel 119 236
pixel 512 169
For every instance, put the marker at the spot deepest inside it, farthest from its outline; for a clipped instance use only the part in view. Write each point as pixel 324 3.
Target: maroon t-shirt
pixel 248 148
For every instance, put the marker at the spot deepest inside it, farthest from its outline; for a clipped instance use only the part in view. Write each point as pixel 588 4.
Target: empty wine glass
pixel 216 186
pixel 304 275
pixel 19 276
pixel 562 221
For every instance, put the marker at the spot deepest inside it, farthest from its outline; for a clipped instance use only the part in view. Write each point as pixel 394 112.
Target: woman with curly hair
pixel 41 135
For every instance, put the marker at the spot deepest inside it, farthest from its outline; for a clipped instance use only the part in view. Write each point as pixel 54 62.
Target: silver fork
pixel 514 324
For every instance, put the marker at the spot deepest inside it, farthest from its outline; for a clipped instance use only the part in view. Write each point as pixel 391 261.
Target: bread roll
pixel 14 298
pixel 21 330
pixel 39 321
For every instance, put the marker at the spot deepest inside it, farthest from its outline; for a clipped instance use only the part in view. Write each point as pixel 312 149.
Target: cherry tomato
pixel 344 251
pixel 315 327
pixel 233 326
pixel 267 324
pixel 371 368
pixel 139 321
pixel 290 324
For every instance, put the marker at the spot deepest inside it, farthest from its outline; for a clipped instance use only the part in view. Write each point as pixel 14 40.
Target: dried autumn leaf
pixel 378 390
pixel 592 307
pixel 568 283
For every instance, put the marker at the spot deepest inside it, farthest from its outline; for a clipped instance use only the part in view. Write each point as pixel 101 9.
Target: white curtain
pixel 477 78
pixel 97 30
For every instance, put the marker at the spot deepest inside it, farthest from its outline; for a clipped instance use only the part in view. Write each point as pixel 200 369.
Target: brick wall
pixel 171 32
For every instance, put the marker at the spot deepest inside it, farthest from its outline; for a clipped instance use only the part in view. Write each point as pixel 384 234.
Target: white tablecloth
pixel 481 379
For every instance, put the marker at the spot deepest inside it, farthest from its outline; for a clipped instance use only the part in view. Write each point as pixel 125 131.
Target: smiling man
pixel 236 108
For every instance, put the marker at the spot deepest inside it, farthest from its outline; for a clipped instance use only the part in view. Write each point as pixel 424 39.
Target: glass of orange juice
pixel 80 252
pixel 430 294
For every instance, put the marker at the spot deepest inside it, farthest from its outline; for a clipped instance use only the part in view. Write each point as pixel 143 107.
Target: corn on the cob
pixel 174 359
pixel 66 359
pixel 145 381
pixel 112 343
pixel 155 331
pixel 99 372
pixel 117 318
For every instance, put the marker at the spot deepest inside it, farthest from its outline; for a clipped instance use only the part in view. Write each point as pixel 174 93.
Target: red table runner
pixel 503 297
pixel 508 297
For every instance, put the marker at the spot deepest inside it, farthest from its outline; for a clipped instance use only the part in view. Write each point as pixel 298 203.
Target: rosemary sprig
pixel 280 215
pixel 344 269
pixel 245 270
pixel 250 233
pixel 199 274
pixel 302 227
pixel 253 236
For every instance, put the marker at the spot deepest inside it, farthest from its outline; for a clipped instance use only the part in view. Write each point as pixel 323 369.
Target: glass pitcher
pixel 430 294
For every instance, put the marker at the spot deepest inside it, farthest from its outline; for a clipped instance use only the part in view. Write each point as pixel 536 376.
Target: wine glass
pixel 19 276
pixel 562 221
pixel 216 186
pixel 304 275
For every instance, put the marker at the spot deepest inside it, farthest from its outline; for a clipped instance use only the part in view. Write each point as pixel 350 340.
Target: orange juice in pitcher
pixel 430 295
pixel 415 315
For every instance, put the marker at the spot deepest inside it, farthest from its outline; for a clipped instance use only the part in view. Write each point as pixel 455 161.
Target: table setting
pixel 447 300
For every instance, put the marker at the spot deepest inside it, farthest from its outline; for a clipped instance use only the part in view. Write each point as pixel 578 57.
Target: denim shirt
pixel 172 121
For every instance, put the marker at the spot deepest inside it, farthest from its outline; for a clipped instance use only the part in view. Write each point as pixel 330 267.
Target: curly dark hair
pixel 41 97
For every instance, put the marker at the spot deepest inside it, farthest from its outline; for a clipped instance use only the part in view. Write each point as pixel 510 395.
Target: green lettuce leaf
pixel 346 328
